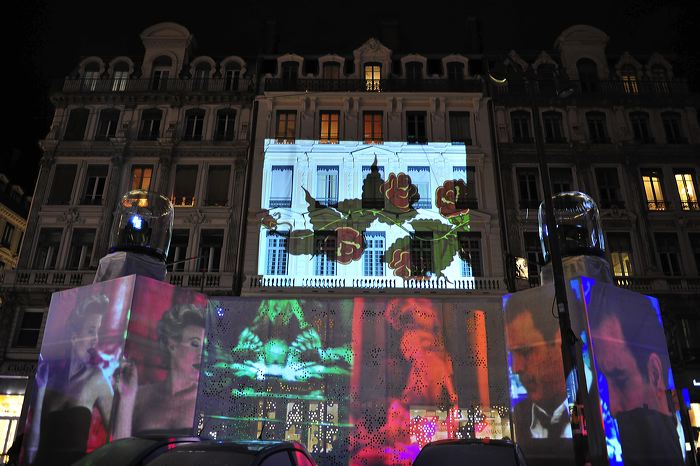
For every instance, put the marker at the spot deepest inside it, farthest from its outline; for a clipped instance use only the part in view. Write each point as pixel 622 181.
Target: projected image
pixel 358 381
pixel 374 211
pixel 71 407
pixel 634 376
pixel 158 377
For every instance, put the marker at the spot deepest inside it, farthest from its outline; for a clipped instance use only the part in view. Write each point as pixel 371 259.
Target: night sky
pixel 46 39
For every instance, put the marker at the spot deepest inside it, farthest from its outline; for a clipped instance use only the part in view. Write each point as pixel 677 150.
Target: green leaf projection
pixel 422 234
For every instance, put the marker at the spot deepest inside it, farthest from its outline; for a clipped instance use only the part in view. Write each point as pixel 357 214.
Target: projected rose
pixel 448 196
pixel 400 192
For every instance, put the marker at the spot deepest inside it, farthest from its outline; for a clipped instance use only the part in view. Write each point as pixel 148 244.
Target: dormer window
pixel 290 70
pixel 629 79
pixel 588 75
pixel 660 78
pixel 201 76
pixel 414 70
pixel 455 71
pixel 232 76
pixel 331 70
pixel 160 73
pixel 120 76
pixel 373 76
pixel 90 76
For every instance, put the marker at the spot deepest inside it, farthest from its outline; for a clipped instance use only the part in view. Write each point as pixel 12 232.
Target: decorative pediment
pixel 372 51
pixel 628 60
pixel 514 58
pixel 372 151
pixel 171 31
pixel 582 33
pixel 544 58
pixel 657 59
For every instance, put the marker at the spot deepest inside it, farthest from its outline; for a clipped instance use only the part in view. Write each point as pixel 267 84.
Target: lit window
pixel 533 253
pixel 686 190
pixel 277 254
pixel 7 235
pixel 652 190
pixel 286 126
pixel 373 76
pixel 470 253
pixel 420 177
pixel 620 248
pixel 281 186
pixel 141 177
pixel 372 128
pixel 329 127
pixel 629 80
pixel 373 257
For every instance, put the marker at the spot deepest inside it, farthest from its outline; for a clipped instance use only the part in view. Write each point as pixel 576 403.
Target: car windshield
pixel 467 454
pixel 122 451
pixel 194 455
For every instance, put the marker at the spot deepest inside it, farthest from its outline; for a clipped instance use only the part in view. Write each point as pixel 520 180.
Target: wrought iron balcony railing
pixel 590 89
pixel 380 85
pixel 112 86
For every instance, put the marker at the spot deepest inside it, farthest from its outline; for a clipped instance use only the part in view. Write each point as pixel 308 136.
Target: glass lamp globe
pixel 578 226
pixel 144 224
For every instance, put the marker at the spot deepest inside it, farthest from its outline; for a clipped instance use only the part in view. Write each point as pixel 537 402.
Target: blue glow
pixel 220 311
pixel 136 221
pixel 686 397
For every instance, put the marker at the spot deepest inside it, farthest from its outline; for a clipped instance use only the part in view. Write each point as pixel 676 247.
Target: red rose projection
pixel 350 245
pixel 401 263
pixel 399 190
pixel 446 197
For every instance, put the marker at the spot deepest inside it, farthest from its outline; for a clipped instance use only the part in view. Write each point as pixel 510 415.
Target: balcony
pixel 169 85
pixel 690 205
pixel 363 85
pixel 379 284
pixel 651 285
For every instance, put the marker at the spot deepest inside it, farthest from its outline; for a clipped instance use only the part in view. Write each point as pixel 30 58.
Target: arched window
pixel 225 125
pixel 91 75
pixel 160 72
pixel 194 124
pixel 629 79
pixel 232 76
pixel 588 75
pixel 120 76
pixel 150 124
pixel 77 122
pixel 200 81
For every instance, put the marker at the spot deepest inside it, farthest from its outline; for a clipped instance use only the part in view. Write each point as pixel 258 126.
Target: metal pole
pixel 568 338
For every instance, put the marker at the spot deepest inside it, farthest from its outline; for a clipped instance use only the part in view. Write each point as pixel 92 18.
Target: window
pixel 651 178
pixel 185 185
pixel 420 177
pixel 91 76
pixel 561 179
pixel 81 249
pixel 372 181
pixel 277 253
pixel 520 122
pixel 422 254
pixel 620 248
pixel 107 124
pixel 150 124
pixel 200 79
pixel 290 70
pixel 7 234
pixel 77 123
pixel 459 127
pixel 695 245
pixel 455 71
pixel 217 185
pixel 686 189
pixel 232 76
pixel 324 253
pixel 588 75
pixel 629 79
pixel 669 253
pixel 210 244
pixel 640 127
pixel 533 253
pixel 546 79
pixel 373 75
pixel 414 70
pixel 47 246
pixel 672 128
pixel 330 122
pixel 120 76
pixel 553 128
pixel 660 78
pixel 527 188
pixel 225 125
pixel 286 126
pixel 372 127
pixel 161 70
pixel 331 70
pixel 29 329
pixel 609 188
pixel 327 185
pixel 194 125
pixel 468 199
pixel 62 185
pixel 95 180
pixel 597 127
pixel 470 253
pixel 415 128
pixel 281 186
pixel 141 176
pixel 373 257
pixel 178 250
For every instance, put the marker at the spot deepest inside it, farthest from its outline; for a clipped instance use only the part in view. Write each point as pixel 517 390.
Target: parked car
pixel 192 451
pixel 468 452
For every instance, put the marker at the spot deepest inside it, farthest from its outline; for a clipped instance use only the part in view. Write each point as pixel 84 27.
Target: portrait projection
pixel 539 402
pixel 71 408
pixel 634 376
pixel 159 372
pixel 358 381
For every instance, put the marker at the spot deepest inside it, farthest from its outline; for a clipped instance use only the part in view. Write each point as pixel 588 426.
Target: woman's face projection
pixel 186 353
pixel 86 336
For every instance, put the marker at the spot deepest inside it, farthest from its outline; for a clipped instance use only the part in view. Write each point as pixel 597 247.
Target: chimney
pixel 389 34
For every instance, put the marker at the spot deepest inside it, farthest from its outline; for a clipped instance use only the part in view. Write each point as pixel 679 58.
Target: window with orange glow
pixel 372 128
pixel 629 80
pixel 330 123
pixel 652 190
pixel 141 177
pixel 686 191
pixel 373 73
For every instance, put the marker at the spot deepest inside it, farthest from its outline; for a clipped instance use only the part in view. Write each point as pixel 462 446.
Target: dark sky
pixel 47 38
